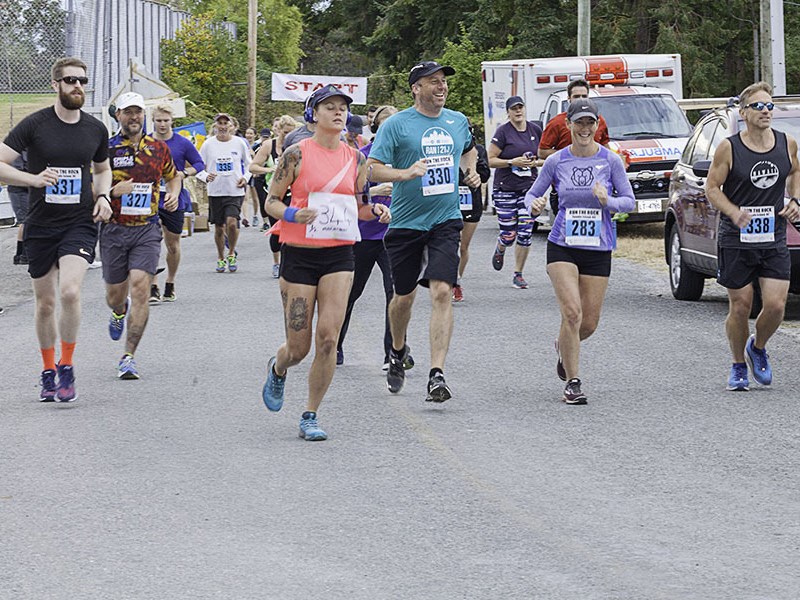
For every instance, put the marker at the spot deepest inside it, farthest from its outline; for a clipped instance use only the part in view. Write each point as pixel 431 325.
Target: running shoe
pixel 255 221
pixel 437 389
pixel 573 393
pixel 116 323
pixel 21 259
pixel 127 368
pixel 560 370
pixel 245 223
pixel 221 264
pixel 498 258
pixel 65 392
pixel 169 293
pixel 272 394
pixel 738 381
pixel 310 430
pixel 408 361
pixel 396 375
pixel 232 263
pixel 155 295
pixel 339 357
pixel 385 366
pixel 758 361
pixel 458 293
pixel 276 271
pixel 48 381
pixel 519 281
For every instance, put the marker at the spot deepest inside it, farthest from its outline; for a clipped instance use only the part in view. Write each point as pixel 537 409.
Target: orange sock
pixel 48 358
pixel 67 350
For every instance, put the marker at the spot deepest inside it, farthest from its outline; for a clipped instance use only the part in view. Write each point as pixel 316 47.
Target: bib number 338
pixel 761 227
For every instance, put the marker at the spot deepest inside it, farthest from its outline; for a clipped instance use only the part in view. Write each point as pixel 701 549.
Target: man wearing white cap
pixel 68 183
pixel 131 242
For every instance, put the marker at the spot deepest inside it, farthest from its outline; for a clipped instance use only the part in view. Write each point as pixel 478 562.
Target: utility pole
pixel 584 28
pixel 773 56
pixel 252 44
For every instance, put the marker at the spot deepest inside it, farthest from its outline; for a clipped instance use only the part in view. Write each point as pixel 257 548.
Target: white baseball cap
pixel 129 99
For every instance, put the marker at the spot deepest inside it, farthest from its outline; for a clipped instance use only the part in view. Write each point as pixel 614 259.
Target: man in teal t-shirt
pixel 421 149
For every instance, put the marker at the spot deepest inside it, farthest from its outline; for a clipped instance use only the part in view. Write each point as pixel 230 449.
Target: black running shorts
pixel 45 245
pixel 419 256
pixel 308 265
pixel 738 267
pixel 589 262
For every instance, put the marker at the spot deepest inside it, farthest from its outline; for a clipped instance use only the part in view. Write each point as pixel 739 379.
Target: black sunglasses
pixel 72 80
pixel 759 106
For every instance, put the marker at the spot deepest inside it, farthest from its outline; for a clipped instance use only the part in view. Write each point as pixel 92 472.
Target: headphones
pixel 374 126
pixel 308 112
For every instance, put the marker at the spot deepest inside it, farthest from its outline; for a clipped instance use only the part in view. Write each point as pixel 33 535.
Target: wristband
pixel 289 214
pixel 374 213
pixel 796 200
pixel 102 196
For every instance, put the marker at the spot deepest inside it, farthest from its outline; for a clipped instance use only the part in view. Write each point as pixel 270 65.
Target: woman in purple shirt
pixel 371 251
pixel 591 185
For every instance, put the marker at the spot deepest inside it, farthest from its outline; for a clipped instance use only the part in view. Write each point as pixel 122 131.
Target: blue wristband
pixel 289 213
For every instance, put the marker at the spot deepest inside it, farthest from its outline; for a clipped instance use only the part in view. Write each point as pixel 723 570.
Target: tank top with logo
pixel 757 180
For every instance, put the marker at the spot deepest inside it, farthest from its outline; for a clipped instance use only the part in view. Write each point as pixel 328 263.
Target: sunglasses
pixel 72 80
pixel 759 106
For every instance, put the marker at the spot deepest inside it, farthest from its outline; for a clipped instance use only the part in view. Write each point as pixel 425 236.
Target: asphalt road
pixel 182 485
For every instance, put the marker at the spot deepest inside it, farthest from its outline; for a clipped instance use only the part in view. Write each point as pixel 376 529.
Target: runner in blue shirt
pixel 183 153
pixel 591 185
pixel 420 150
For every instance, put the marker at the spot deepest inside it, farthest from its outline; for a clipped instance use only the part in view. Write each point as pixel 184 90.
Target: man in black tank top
pixel 747 181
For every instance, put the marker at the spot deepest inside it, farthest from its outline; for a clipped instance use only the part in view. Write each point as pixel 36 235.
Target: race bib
pixel 225 166
pixel 67 190
pixel 582 226
pixel 521 171
pixel 162 187
pixel 138 202
pixel 439 177
pixel 337 217
pixel 465 199
pixel 761 227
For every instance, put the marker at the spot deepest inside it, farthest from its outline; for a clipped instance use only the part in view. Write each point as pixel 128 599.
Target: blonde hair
pixel 164 108
pixel 57 70
pixel 750 90
pixel 285 120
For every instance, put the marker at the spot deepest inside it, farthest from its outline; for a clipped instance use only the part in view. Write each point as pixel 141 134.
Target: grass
pixel 642 243
pixel 15 107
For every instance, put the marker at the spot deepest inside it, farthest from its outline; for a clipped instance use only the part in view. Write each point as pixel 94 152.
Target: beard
pixel 71 100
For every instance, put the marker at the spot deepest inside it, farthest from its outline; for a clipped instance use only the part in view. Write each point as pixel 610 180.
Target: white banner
pixel 297 87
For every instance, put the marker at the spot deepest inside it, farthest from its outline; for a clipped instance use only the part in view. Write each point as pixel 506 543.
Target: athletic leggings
pixel 367 253
pixel 514 220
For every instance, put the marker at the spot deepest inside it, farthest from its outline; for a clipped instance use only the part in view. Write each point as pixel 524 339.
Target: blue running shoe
pixel 65 392
pixel 272 394
pixel 221 264
pixel 48 381
pixel 127 368
pixel 116 324
pixel 758 361
pixel 737 381
pixel 232 260
pixel 309 428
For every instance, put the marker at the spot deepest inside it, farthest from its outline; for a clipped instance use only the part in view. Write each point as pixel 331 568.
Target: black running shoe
pixel 573 393
pixel 396 375
pixel 437 389
pixel 155 295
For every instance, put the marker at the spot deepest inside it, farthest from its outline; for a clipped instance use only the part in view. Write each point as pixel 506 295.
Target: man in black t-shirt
pixel 69 180
pixel 749 177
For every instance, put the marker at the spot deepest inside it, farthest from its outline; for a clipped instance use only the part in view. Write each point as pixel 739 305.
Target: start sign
pixel 297 87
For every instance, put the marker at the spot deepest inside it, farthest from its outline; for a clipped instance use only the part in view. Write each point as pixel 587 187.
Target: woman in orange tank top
pixel 317 233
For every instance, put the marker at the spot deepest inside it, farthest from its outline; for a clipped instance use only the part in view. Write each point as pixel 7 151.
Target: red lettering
pixel 307 84
pixel 290 85
pixel 351 87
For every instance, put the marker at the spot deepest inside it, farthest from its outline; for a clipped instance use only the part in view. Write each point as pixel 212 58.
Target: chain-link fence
pixel 105 34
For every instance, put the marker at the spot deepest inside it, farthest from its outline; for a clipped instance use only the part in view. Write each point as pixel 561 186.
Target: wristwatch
pixel 103 196
pixel 510 163
pixel 796 200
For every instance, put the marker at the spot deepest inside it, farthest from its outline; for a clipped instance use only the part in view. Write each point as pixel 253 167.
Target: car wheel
pixel 685 283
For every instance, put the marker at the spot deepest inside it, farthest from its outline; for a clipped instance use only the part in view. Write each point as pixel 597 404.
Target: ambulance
pixel 637 95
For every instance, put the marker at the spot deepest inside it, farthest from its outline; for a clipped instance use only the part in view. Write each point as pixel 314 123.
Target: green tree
pixel 204 63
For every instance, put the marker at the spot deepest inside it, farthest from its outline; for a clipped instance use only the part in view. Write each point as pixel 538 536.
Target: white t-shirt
pixel 229 160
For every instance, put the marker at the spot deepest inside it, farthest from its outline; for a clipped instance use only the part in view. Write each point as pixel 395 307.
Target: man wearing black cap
pixel 420 149
pixel 512 152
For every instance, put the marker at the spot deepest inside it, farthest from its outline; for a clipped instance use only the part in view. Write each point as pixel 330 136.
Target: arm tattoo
pixel 298 314
pixel 288 163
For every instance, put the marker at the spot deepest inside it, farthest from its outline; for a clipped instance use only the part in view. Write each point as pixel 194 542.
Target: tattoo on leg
pixel 284 298
pixel 298 314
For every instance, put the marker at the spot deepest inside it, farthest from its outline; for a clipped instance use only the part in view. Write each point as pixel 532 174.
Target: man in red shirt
pixel 556 134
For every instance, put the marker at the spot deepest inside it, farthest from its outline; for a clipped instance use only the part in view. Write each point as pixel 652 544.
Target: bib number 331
pixel 67 190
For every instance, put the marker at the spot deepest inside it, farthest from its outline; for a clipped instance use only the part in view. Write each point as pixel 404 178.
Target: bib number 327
pixel 138 201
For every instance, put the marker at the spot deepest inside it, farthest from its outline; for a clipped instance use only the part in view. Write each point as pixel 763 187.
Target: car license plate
pixel 648 206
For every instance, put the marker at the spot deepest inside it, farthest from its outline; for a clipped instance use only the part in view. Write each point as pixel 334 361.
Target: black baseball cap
pixel 582 107
pixel 324 93
pixel 514 101
pixel 429 67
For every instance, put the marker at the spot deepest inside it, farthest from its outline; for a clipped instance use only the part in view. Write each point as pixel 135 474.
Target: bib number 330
pixel 438 179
